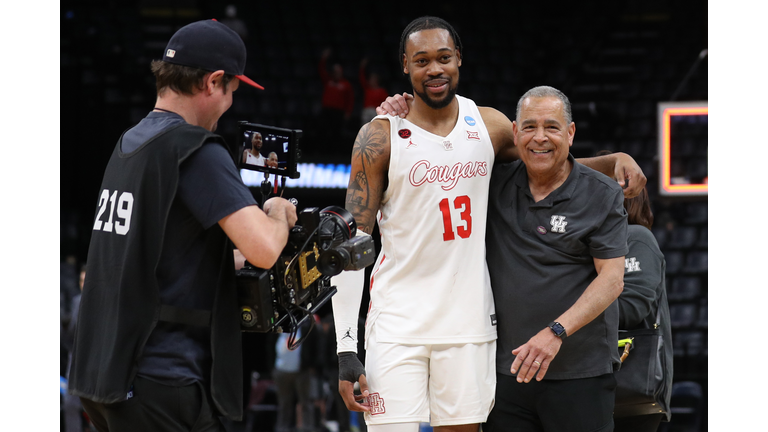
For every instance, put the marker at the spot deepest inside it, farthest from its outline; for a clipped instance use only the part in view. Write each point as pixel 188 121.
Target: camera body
pixel 321 245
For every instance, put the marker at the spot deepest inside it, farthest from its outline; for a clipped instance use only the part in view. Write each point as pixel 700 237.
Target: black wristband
pixel 350 367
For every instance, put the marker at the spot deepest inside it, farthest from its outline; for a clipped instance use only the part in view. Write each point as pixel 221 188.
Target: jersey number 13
pixel 459 203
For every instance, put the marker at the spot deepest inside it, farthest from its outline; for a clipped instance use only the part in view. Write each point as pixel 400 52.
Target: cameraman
pixel 158 341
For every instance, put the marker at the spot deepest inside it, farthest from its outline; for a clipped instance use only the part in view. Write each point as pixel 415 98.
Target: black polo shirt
pixel 540 258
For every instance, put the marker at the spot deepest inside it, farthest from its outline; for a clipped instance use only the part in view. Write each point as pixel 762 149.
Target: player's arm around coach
pixel 619 166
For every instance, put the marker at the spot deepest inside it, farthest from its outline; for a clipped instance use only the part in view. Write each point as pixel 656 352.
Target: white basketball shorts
pixel 444 384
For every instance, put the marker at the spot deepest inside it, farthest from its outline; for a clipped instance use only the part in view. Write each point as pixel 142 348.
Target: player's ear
pixel 514 131
pixel 458 56
pixel 405 65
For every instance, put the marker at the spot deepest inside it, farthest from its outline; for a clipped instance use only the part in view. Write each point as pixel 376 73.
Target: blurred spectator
pixel 235 23
pixel 337 104
pixel 644 298
pixel 295 374
pixel 67 291
pixel 643 303
pixel 73 409
pixel 373 93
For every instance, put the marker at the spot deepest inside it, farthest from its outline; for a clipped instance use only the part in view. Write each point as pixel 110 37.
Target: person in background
pixel 337 103
pixel 644 292
pixel 73 416
pixel 234 22
pixel 295 373
pixel 373 93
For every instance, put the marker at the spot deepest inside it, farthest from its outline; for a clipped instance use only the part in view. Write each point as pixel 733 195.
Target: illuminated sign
pixel 683 125
pixel 312 176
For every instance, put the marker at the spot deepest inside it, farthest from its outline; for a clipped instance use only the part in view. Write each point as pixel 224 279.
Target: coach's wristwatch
pixel 558 329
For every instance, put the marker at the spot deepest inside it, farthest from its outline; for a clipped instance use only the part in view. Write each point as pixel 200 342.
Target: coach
pixel 556 242
pixel 157 346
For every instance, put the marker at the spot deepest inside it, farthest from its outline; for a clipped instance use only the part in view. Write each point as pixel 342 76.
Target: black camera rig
pixel 322 244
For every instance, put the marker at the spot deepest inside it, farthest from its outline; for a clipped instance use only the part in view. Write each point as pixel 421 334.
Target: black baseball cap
pixel 209 45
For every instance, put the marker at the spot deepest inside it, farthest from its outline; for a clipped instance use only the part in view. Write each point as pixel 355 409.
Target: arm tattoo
pixel 364 192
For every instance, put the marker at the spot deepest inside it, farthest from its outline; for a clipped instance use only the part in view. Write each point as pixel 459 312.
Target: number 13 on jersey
pixel 464 226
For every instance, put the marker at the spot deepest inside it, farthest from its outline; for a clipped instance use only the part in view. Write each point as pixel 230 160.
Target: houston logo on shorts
pixel 449 176
pixel 377 404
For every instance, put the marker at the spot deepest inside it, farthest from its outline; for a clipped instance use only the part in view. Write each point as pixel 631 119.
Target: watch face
pixel 558 329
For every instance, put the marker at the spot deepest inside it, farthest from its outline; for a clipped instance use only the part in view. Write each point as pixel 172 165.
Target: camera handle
pixel 266 189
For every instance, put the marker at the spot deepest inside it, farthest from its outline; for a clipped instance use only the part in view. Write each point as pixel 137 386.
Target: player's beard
pixel 438 103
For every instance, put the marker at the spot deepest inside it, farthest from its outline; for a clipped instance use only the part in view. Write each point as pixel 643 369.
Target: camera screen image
pixel 268 149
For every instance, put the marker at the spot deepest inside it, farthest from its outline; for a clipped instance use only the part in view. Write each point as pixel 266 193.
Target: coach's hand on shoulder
pixel 629 175
pixel 351 371
pixel 535 355
pixel 280 208
pixel 395 105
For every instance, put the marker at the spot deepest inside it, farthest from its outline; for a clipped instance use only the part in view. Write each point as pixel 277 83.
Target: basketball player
pixel 431 326
pixel 253 155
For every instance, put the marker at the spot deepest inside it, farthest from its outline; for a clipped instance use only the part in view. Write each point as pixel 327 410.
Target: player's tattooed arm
pixel 367 180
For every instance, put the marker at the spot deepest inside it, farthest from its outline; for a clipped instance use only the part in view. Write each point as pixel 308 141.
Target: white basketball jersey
pixel 430 283
pixel 253 160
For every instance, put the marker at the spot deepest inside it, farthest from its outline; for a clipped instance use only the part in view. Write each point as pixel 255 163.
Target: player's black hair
pixel 427 23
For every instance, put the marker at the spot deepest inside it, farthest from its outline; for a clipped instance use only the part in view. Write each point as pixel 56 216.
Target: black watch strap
pixel 558 329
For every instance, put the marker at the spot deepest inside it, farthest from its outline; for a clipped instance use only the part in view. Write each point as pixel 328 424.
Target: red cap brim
pixel 249 81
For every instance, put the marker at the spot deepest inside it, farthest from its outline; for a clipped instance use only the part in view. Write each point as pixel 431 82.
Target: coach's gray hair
pixel 546 91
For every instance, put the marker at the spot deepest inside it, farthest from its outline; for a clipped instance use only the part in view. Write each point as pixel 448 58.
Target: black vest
pixel 120 304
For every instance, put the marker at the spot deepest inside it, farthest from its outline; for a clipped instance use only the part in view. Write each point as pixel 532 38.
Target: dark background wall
pixel 615 61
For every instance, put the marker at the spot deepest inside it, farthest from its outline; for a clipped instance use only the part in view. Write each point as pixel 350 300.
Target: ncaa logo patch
pixel 470 121
pixel 170 53
pixel 404 133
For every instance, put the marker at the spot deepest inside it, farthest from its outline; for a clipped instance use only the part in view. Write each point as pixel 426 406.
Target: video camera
pixel 322 244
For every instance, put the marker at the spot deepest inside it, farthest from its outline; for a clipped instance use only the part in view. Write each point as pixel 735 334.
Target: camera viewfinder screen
pixel 264 151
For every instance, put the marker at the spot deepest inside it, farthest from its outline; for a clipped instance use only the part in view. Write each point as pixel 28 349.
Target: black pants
pixel 645 423
pixel 577 405
pixel 156 407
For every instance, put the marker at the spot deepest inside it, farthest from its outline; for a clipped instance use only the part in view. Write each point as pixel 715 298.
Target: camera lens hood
pixel 342 221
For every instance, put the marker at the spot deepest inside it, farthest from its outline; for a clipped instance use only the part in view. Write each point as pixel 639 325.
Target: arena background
pixel 615 60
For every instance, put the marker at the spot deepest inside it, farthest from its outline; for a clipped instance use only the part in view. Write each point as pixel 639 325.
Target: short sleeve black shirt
pixel 540 258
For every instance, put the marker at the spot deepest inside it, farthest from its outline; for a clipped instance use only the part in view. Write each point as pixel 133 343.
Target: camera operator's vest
pixel 430 283
pixel 120 303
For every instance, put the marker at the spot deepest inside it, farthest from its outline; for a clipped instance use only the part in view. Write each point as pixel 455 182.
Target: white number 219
pixel 124 211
